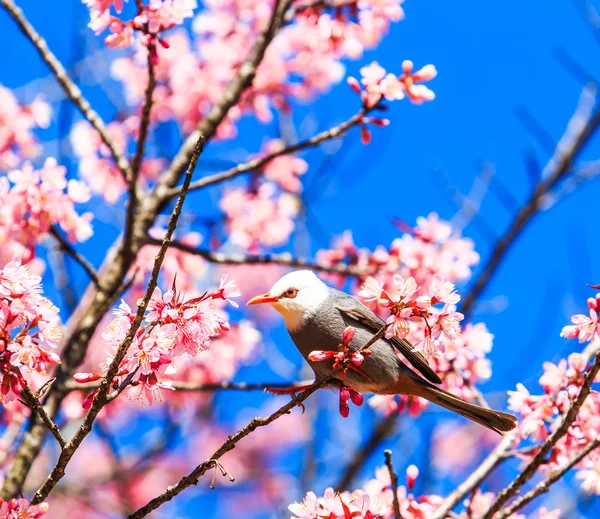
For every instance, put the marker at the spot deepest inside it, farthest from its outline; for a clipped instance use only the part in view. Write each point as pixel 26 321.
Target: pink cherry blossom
pixel 21 509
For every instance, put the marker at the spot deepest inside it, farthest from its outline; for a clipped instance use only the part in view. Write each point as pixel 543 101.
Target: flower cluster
pixel 405 306
pixel 151 20
pixel 561 384
pixel 172 327
pixel 375 501
pixel 17 123
pixel 29 325
pixel 422 257
pixel 21 509
pixel 31 201
pixel 259 216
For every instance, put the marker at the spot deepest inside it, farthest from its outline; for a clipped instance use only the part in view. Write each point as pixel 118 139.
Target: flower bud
pixel 357 398
pixel 319 355
pixel 344 395
pixel 348 335
pixel 354 84
pixel 82 378
pixel 412 473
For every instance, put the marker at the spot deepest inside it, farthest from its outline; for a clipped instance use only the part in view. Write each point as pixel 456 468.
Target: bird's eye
pixel 291 293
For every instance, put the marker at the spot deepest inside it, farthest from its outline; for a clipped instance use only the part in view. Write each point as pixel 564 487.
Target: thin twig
pixel 544 485
pixel 32 401
pixel 71 89
pixel 394 480
pixel 286 260
pixel 79 258
pixel 257 163
pixel 132 201
pixel 102 396
pixel 540 457
pixel 316 4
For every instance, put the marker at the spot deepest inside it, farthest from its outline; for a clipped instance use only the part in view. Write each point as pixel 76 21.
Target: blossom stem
pixel 285 260
pixel 70 250
pixel 32 401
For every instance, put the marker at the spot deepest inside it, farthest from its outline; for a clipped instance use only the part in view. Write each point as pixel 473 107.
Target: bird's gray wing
pixel 366 317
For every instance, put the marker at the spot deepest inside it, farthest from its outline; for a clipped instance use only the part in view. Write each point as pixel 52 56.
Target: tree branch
pixel 394 480
pixel 530 469
pixel 71 89
pixel 544 485
pixel 70 250
pixel 102 397
pixel 286 260
pixel 32 401
pixel 579 130
pixel 259 162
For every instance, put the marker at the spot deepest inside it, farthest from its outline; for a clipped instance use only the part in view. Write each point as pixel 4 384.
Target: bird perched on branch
pixel 316 316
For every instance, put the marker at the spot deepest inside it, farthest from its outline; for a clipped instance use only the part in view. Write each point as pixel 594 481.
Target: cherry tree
pixel 109 405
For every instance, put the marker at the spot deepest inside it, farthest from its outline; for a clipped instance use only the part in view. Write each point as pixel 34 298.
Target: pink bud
pixel 81 378
pixel 592 303
pixel 16 386
pixel 87 403
pixel 348 335
pixel 357 359
pixel 357 398
pixel 319 355
pixel 427 73
pixel 354 84
pixel 344 410
pixel 375 121
pixel 344 395
pixel 365 135
pixel 412 473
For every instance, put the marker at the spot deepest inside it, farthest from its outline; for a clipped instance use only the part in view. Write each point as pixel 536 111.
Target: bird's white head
pixel 296 296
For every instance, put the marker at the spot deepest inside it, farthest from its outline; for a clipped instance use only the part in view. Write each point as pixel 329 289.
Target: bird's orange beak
pixel 263 298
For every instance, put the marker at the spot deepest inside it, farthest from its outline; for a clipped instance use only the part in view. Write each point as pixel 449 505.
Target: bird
pixel 316 316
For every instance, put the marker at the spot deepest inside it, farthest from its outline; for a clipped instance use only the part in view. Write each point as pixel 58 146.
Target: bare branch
pixel 579 130
pixel 286 260
pixel 102 397
pixel 544 485
pixel 253 165
pixel 71 89
pixel 394 480
pixel 32 401
pixel 316 4
pixel 70 250
pixel 530 469
pixel 139 154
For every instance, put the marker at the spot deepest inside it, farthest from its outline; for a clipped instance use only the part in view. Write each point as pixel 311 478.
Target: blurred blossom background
pixel 510 76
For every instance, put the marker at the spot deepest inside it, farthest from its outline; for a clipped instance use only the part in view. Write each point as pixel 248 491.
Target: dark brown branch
pixel 579 130
pixel 544 485
pixel 394 480
pixel 132 202
pixel 285 260
pixel 70 88
pixel 530 469
pixel 217 386
pixel 32 401
pixel 254 164
pixel 102 397
pixel 70 250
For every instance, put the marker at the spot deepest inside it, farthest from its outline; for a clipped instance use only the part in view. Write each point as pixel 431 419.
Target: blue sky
pixel 493 59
